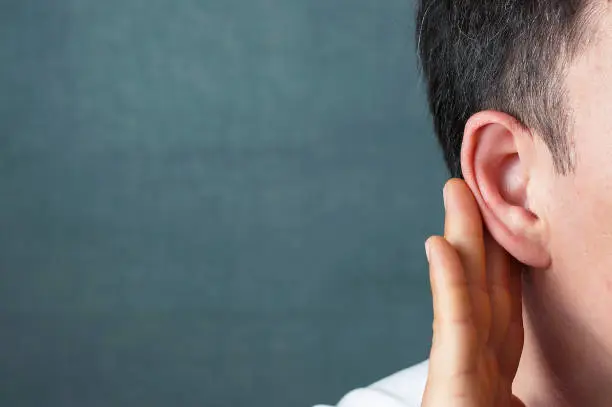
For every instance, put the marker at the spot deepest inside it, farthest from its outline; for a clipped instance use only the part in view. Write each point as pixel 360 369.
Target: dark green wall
pixel 211 203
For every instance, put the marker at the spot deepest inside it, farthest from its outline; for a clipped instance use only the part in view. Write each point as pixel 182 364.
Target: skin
pixel 522 278
pixel 478 330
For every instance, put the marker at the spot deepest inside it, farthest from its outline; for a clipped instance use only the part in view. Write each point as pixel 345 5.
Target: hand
pixel 478 326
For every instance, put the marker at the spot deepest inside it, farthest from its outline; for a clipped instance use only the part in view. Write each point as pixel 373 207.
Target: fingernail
pixel 444 196
pixel 427 249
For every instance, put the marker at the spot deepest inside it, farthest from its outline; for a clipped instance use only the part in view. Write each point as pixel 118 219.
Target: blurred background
pixel 211 202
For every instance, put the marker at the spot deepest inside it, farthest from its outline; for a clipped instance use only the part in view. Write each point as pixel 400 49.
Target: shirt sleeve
pixel 403 389
pixel 369 398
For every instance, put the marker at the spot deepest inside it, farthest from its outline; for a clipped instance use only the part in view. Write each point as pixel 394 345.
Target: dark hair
pixel 504 55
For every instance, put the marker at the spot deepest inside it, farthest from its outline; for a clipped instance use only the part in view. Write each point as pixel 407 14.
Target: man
pixel 521 96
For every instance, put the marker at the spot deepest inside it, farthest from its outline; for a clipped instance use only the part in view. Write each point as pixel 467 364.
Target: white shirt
pixel 403 389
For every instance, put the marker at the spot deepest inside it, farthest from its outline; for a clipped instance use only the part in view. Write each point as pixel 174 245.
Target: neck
pixel 563 364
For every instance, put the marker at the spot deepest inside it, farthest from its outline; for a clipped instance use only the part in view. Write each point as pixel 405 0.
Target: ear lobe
pixel 495 158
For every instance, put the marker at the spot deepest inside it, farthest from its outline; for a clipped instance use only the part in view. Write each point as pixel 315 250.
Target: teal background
pixel 211 203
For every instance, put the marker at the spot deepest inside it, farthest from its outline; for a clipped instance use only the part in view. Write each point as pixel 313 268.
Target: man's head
pixel 504 55
pixel 521 94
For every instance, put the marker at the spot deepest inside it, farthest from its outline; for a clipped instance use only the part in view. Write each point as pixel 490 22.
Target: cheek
pixel 581 229
pixel 581 246
pixel 580 208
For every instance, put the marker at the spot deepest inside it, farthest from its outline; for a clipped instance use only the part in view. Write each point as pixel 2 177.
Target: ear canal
pixel 513 181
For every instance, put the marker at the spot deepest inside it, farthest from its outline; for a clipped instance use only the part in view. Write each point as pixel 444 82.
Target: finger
pixel 464 231
pixel 516 402
pixel 497 271
pixel 510 350
pixel 455 335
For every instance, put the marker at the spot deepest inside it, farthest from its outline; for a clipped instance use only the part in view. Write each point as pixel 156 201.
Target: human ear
pixel 496 159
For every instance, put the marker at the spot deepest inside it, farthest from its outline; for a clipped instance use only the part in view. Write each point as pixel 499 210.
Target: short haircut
pixel 504 55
